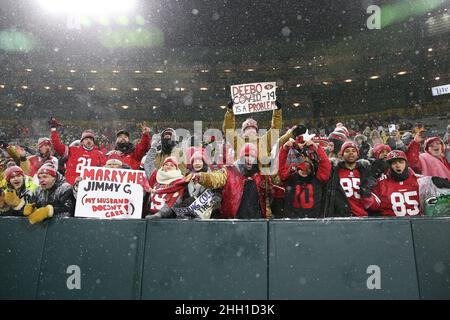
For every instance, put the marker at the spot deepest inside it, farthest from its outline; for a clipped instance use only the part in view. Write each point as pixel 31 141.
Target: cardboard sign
pixel 106 193
pixel 254 97
pixel 203 204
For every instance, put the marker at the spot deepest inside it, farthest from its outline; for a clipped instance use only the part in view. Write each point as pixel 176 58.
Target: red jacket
pixel 234 189
pixel 322 174
pixel 77 157
pixel 413 154
pixel 133 159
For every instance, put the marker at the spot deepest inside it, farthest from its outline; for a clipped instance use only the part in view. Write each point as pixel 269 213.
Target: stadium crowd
pixel 355 169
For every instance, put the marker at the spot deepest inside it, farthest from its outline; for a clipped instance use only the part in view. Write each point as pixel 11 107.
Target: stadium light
pixel 88 7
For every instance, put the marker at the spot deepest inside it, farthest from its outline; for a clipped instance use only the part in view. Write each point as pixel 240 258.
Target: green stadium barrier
pixel 109 255
pixel 329 259
pixel 307 259
pixel 432 248
pixel 21 247
pixel 205 260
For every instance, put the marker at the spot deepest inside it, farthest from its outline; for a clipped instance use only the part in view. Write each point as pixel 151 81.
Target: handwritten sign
pixel 203 204
pixel 106 193
pixel 253 97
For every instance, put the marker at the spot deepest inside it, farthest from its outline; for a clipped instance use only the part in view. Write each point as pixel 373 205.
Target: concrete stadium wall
pixel 226 260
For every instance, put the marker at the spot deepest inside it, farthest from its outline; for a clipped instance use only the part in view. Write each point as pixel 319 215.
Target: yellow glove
pixel 29 209
pixel 2 200
pixel 40 214
pixel 13 200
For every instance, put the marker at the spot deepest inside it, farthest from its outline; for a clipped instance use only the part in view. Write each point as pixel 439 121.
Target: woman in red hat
pixel 432 162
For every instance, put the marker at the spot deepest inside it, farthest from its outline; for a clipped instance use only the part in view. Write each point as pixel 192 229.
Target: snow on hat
pixel 395 154
pixel 44 141
pixel 12 172
pixel 171 131
pixel 342 130
pixel 378 148
pixel 249 149
pixel 249 123
pixel 430 141
pixel 87 134
pixel 114 158
pixel 173 160
pixel 122 131
pixel 337 135
pixel 197 153
pixel 348 144
pixel 322 141
pixel 47 168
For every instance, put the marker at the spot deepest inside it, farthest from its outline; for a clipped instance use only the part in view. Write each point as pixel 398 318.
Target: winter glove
pixel 2 200
pixel 366 186
pixel 29 209
pixel 53 123
pixel 230 105
pixel 301 129
pixel 153 216
pixel 377 168
pixel 41 214
pixel 278 104
pixel 13 200
pixel 441 182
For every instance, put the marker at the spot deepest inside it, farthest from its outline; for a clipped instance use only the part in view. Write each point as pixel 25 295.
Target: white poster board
pixel 253 97
pixel 106 193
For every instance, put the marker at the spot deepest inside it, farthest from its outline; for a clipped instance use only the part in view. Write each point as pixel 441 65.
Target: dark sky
pixel 216 22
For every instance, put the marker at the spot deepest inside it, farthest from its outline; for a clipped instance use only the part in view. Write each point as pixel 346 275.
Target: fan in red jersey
pixel 343 189
pixel 86 154
pixel 398 193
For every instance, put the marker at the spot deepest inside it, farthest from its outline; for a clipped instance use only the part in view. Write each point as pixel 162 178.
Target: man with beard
pixel 44 147
pixel 304 184
pixel 164 146
pixel 398 193
pixel 85 154
pixel 130 154
pixel 245 189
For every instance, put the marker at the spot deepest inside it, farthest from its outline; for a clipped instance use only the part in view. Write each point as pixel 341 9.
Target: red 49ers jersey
pixel 397 198
pixel 350 181
pixel 79 157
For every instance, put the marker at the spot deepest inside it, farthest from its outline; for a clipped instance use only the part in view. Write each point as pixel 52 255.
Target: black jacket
pixel 60 196
pixel 336 202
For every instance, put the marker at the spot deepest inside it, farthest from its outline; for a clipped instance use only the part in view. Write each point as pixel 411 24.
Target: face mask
pixel 167 144
pixel 400 176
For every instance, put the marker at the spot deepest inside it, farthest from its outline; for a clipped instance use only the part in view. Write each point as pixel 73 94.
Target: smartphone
pixel 392 128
